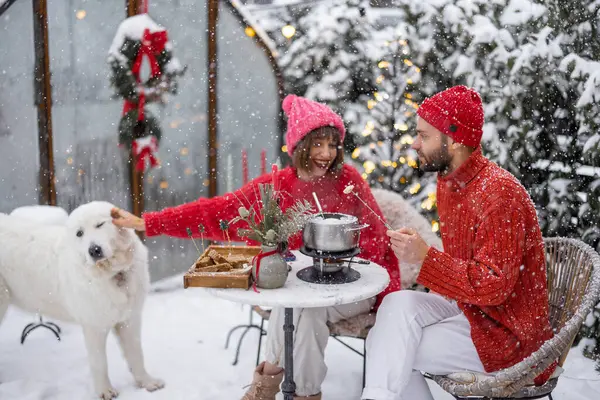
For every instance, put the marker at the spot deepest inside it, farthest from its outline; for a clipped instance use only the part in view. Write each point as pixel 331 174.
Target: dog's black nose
pixel 96 252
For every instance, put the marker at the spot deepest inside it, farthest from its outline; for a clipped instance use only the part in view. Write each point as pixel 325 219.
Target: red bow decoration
pixel 152 45
pixel 145 148
pixel 259 257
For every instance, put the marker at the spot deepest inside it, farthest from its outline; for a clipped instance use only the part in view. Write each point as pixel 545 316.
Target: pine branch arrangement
pixel 270 225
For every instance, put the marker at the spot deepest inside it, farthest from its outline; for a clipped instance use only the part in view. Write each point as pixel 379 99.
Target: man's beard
pixel 438 161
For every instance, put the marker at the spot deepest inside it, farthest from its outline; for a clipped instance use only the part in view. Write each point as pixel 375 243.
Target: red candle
pixel 263 162
pixel 244 166
pixel 274 170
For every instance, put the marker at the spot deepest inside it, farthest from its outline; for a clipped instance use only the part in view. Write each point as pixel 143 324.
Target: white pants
pixel 310 338
pixel 414 332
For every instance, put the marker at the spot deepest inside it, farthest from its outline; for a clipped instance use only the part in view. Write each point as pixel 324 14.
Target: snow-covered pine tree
pixel 327 60
pixel 536 67
pixel 387 121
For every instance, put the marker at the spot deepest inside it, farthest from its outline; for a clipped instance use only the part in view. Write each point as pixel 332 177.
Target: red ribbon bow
pixel 143 151
pixel 259 257
pixel 152 45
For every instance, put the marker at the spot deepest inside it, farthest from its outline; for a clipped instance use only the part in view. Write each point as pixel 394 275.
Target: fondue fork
pixel 318 204
pixel 350 189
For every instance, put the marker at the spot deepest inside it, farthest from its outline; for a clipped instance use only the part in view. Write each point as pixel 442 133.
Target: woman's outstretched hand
pixel 125 219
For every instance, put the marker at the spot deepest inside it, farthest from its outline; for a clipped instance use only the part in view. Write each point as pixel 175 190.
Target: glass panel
pixel 19 160
pixel 89 164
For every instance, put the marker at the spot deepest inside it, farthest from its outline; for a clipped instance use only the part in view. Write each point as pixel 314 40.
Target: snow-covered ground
pixel 184 336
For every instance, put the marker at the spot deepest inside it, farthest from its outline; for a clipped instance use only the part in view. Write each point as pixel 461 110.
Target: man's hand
pixel 124 219
pixel 408 245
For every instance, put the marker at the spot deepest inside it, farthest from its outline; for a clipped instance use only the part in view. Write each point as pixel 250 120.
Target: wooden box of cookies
pixel 222 267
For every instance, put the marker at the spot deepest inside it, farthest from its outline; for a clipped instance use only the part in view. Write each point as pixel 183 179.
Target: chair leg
pixel 51 326
pixel 364 374
pixel 260 335
pixel 246 327
pixel 550 396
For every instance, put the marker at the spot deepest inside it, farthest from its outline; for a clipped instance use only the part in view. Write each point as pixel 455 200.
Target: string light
pixel 369 128
pixel 164 185
pixel 284 148
pixel 435 226
pixel 184 151
pixel 80 14
pixel 406 139
pixel 401 127
pixel 288 31
pixel 371 103
pixel 415 188
pixel 249 31
pixel 369 166
pixel 355 153
pixel 383 64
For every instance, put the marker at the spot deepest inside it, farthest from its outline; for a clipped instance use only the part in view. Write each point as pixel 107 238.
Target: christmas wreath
pixel 139 38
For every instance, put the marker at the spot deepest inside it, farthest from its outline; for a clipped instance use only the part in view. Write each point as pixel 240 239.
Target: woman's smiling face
pixel 322 155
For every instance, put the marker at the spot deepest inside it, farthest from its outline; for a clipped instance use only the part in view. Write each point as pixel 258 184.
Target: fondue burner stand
pixel 329 267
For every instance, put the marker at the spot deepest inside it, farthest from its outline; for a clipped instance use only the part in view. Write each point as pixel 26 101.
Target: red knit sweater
pixel 493 262
pixel 374 243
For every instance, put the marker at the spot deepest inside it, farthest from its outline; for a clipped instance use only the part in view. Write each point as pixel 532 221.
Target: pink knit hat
pixel 304 116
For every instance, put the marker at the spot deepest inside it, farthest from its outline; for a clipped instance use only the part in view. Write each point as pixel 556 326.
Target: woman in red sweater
pixel 314 140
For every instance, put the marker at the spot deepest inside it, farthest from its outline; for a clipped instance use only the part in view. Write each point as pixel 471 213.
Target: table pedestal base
pixel 288 386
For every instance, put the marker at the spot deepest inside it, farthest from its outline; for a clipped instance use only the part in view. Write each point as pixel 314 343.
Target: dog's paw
pixel 150 384
pixel 108 394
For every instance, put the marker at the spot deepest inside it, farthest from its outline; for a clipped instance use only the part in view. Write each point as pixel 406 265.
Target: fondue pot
pixel 332 232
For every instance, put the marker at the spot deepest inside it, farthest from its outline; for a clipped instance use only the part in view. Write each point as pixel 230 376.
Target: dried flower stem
pixel 189 232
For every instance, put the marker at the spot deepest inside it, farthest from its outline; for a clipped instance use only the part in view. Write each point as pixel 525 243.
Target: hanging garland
pixel 140 39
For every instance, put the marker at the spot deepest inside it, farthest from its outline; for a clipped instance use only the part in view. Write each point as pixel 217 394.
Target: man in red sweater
pixel 489 306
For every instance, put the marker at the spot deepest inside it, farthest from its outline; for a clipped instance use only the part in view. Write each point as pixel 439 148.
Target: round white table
pixel 299 294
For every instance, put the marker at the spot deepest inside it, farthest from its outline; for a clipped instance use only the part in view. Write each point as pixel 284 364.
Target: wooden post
pixel 136 184
pixel 43 100
pixel 213 16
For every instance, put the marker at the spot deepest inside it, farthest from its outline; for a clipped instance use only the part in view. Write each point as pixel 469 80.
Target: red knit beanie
pixel 456 112
pixel 304 116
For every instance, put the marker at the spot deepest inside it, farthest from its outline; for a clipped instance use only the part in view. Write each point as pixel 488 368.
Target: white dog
pixel 89 272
